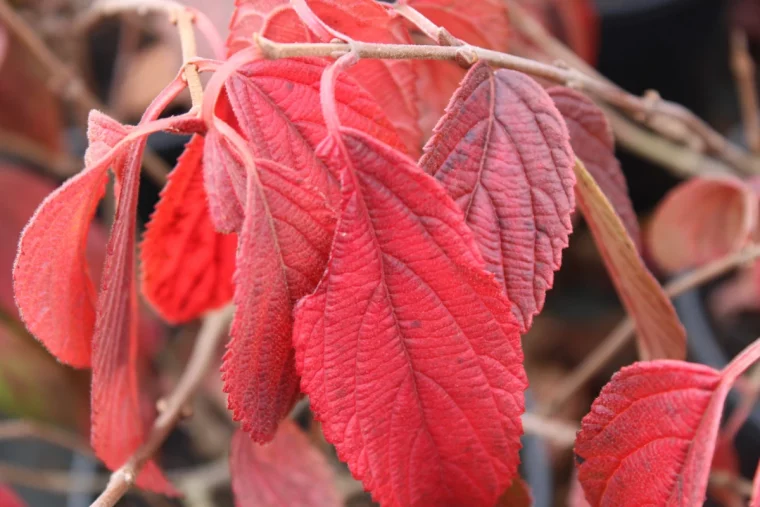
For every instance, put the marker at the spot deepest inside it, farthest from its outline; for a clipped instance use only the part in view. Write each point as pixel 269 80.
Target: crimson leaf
pixel 502 152
pixel 407 349
pixel 592 142
pixel 8 498
pixel 186 265
pixel 288 471
pixel 650 436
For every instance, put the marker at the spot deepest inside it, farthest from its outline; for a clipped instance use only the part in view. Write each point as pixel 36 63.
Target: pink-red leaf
pixel 283 250
pixel 186 265
pixel 407 348
pixel 247 19
pixel 8 498
pixel 755 500
pixel 502 152
pixel 701 220
pixel 660 334
pixel 287 472
pixel 650 436
pixel 593 143
pixel 483 23
pixel 276 111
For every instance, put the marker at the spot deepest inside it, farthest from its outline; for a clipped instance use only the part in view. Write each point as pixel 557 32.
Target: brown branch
pixel 560 433
pixel 624 332
pixel 671 120
pixel 210 336
pixel 66 83
pixel 743 68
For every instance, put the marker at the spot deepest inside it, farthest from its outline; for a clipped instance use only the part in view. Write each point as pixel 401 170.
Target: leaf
pixel 284 243
pixel 8 498
pixel 248 18
pixel 392 83
pixel 650 435
pixel 659 332
pixel 517 495
pixel 576 497
pixel 482 23
pixel 224 179
pixel 275 110
pixel 288 471
pixel 701 220
pixel 502 152
pixel 755 500
pixel 407 349
pixel 187 266
pixel 592 141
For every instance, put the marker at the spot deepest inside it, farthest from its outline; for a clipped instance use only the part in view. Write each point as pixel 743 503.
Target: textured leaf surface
pixel 701 220
pixel 407 349
pixel 482 23
pixel 186 265
pixel 225 183
pixel 283 250
pixel 660 334
pixel 276 110
pixel 52 281
pixel 592 141
pixel 288 471
pixel 650 436
pixel 249 18
pixel 502 152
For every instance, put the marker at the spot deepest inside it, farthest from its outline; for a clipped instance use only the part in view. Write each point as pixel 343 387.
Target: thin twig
pixel 210 336
pixel 67 84
pixel 560 433
pixel 669 119
pixel 625 331
pixel 743 68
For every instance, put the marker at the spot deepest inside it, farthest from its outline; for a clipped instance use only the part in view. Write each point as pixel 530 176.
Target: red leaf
pixel 288 471
pixel 249 18
pixel 275 110
pixel 407 349
pixel 701 220
pixel 517 495
pixel 755 500
pixel 502 152
pixel 224 179
pixel 186 265
pixel 660 334
pixel 391 82
pixel 8 498
pixel 284 243
pixel 576 497
pixel 592 141
pixel 650 435
pixel 483 23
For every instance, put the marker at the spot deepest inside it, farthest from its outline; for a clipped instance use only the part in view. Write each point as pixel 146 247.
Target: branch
pixel 210 336
pixel 19 428
pixel 625 330
pixel 66 83
pixel 743 68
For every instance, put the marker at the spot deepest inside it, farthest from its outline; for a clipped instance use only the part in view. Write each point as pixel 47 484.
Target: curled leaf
pixel 288 471
pixel 186 265
pixel 592 142
pixel 659 332
pixel 701 220
pixel 8 498
pixel 650 436
pixel 502 152
pixel 407 349
pixel 248 18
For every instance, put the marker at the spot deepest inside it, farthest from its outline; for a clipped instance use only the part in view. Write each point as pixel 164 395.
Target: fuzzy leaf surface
pixel 284 244
pixel 502 151
pixel 288 471
pixel 593 143
pixel 650 436
pixel 187 266
pixel 660 334
pixel 407 348
pixel 701 220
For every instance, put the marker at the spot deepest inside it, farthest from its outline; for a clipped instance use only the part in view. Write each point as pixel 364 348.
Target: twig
pixel 210 335
pixel 560 433
pixel 743 68
pixel 669 119
pixel 624 332
pixel 67 84
pixel 741 413
pixel 739 485
pixel 19 428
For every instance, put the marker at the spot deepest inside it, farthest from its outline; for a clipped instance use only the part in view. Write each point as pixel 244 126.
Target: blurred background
pixel 681 48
